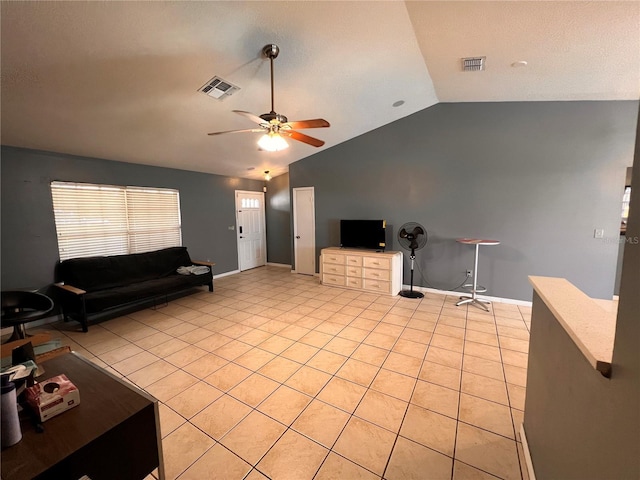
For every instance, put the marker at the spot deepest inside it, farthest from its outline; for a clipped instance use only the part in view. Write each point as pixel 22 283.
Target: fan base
pixel 411 294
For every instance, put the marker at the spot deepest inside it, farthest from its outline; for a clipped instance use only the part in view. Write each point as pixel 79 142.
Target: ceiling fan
pixel 275 126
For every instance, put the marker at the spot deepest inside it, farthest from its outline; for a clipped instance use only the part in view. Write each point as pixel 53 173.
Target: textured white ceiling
pixel 119 80
pixel 574 50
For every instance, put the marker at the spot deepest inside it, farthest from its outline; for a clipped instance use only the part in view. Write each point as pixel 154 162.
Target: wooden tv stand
pixel 113 433
pixel 359 269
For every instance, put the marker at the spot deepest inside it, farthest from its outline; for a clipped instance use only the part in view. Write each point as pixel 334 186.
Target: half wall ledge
pixel 591 327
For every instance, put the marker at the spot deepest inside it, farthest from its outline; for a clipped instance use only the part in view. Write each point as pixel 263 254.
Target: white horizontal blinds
pixel 90 219
pixel 111 220
pixel 154 219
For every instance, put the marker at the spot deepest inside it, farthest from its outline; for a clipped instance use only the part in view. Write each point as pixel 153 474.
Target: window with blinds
pixel 112 220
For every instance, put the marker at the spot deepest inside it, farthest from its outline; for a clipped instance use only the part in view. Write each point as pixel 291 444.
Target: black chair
pixel 19 307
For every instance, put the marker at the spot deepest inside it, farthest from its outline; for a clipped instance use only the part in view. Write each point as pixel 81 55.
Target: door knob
pixel 297 236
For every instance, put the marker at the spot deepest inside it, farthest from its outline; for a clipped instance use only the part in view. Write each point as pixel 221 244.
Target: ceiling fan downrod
pixel 271 51
pixel 275 124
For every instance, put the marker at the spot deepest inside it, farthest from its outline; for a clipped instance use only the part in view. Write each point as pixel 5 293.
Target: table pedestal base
pixel 474 301
pixel 19 333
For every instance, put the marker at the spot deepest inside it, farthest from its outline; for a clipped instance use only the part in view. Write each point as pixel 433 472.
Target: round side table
pixel 475 288
pixel 20 307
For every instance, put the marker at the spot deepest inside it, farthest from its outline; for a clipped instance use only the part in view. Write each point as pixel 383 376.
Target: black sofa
pixel 106 286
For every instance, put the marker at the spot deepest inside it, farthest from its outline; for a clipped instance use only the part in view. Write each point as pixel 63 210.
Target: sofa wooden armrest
pixel 70 288
pixel 202 262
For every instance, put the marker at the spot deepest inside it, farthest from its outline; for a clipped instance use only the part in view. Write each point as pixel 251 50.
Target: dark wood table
pixel 113 434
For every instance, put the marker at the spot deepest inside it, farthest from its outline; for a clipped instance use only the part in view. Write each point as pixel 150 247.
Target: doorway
pixel 250 229
pixel 304 230
pixel 623 228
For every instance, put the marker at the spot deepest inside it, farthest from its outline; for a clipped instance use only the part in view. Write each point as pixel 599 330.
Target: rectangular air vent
pixel 218 88
pixel 473 64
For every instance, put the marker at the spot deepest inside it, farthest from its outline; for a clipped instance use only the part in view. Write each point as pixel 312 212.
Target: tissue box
pixel 52 397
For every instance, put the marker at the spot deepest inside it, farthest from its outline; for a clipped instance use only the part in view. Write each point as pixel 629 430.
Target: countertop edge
pixel 590 326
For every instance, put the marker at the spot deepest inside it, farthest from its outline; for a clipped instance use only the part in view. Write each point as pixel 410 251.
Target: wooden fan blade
pixel 255 130
pixel 301 137
pixel 314 123
pixel 251 116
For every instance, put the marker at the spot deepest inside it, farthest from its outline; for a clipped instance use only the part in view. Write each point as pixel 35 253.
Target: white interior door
pixel 250 228
pixel 304 230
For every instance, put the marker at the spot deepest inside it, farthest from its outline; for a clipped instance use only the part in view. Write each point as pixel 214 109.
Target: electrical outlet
pixel 469 273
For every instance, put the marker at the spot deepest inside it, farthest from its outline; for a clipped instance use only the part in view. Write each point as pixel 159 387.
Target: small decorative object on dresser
pixel 366 270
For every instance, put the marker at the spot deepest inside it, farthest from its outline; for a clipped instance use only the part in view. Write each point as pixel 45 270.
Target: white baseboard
pixel 454 293
pixel 226 274
pixel 527 453
pixel 283 265
pixel 316 274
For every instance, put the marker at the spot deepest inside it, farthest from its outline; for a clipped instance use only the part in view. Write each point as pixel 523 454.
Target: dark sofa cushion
pixel 98 273
pixel 158 287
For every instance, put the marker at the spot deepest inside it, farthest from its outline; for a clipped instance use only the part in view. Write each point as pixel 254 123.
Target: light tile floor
pixel 276 376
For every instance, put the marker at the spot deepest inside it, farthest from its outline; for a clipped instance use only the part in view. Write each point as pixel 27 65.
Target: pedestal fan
pixel 412 236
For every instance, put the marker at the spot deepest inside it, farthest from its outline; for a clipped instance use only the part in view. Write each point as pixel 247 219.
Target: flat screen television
pixel 363 234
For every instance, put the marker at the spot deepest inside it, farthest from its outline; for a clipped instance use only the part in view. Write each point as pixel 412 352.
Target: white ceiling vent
pixel 218 88
pixel 473 64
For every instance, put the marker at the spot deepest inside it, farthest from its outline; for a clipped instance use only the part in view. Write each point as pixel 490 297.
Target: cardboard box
pixel 52 397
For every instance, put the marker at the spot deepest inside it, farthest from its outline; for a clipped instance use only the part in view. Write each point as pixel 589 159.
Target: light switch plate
pixel 598 233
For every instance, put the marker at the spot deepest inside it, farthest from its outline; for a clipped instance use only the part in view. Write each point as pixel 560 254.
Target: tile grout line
pixel 409 402
pixel 455 438
pixel 315 397
pixel 515 430
pixel 459 401
pixel 344 302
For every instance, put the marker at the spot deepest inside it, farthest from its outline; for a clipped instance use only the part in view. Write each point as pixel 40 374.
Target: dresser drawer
pixel 376 274
pixel 376 285
pixel 377 262
pixel 354 260
pixel 333 258
pixel 333 280
pixel 354 271
pixel 364 270
pixel 333 269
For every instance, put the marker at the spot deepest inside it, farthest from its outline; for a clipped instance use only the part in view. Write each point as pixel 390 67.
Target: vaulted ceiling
pixel 120 80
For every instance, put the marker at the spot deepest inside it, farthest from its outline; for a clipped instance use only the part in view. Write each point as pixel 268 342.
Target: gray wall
pixel 29 246
pixel 278 213
pixel 538 176
pixel 580 425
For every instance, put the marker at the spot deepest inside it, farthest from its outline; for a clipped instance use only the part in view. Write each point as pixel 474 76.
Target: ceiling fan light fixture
pixel 273 124
pixel 272 142
pixel 267 175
